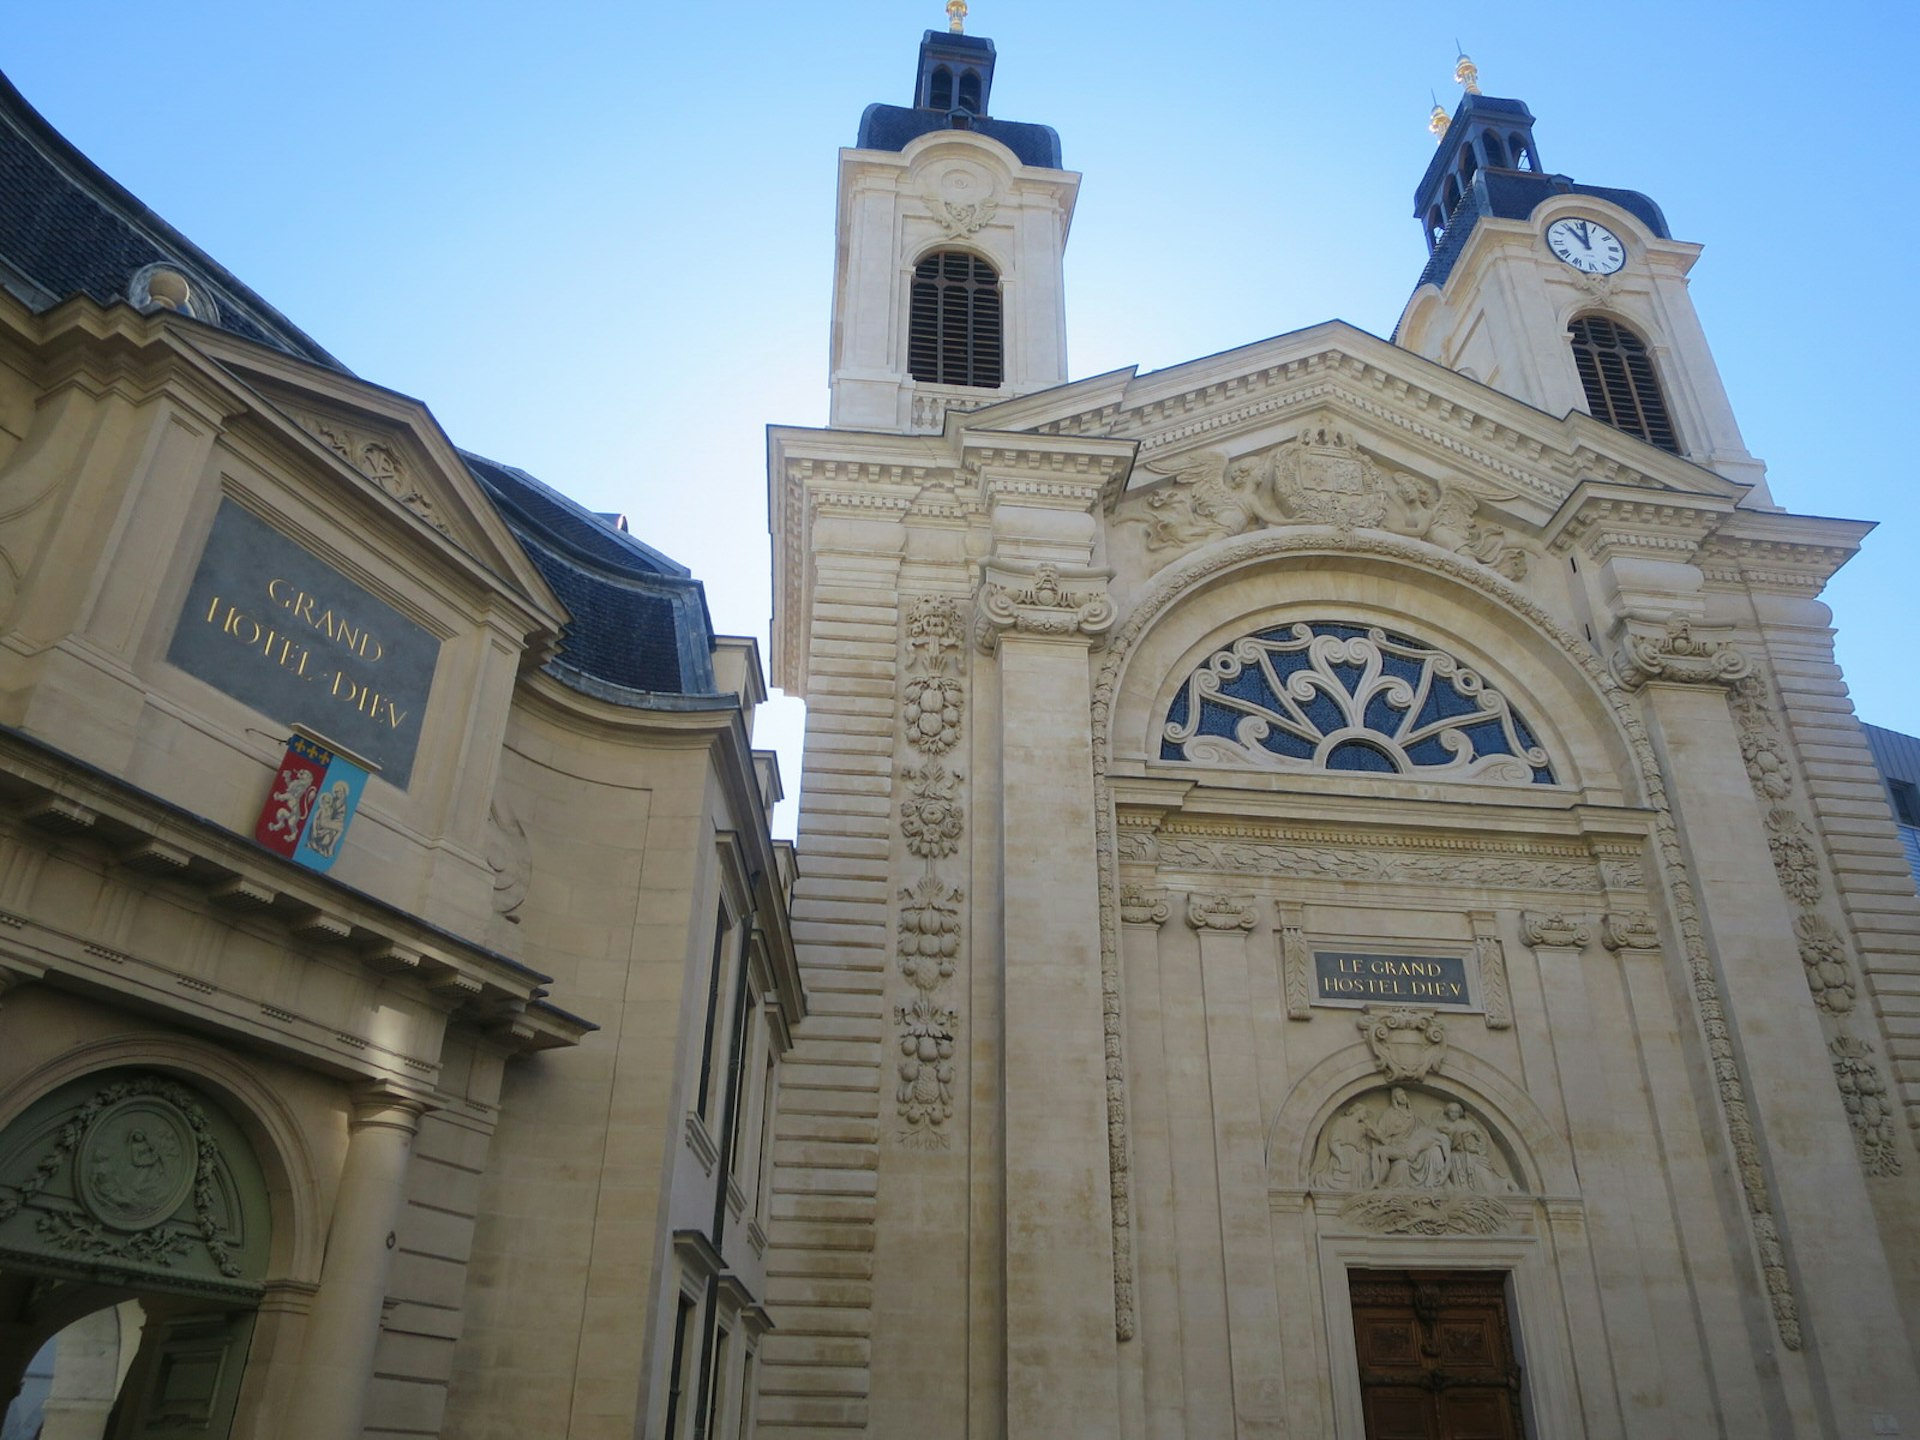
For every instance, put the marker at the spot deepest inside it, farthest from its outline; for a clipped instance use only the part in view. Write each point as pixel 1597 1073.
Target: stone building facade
pixel 1343 895
pixel 466 1134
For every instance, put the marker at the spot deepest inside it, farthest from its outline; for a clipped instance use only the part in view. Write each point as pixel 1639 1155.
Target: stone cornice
pixel 1605 519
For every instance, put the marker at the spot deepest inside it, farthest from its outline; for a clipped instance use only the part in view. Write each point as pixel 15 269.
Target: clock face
pixel 1587 246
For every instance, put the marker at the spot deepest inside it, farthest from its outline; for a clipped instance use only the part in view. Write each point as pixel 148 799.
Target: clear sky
pixel 597 238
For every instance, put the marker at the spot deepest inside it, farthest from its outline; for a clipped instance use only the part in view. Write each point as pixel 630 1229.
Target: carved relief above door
pixel 1436 1355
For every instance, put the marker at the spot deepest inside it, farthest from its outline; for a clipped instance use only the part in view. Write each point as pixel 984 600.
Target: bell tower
pixel 1564 295
pixel 950 236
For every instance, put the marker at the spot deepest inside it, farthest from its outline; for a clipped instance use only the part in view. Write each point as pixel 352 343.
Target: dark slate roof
pixel 640 620
pixel 68 228
pixel 890 127
pixel 1515 195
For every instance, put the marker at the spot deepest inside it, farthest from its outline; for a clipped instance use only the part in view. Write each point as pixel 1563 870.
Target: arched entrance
pixel 134 1236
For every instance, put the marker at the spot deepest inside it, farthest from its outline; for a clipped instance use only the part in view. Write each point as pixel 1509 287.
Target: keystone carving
pixel 1681 657
pixel 1406 1044
pixel 1043 607
pixel 1554 929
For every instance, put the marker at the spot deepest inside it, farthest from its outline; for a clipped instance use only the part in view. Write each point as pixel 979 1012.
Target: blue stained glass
pixel 1468 731
pixel 1356 755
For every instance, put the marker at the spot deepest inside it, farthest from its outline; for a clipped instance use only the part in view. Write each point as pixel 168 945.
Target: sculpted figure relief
pixel 1397 1145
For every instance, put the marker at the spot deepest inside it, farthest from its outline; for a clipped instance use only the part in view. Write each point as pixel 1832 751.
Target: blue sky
pixel 597 241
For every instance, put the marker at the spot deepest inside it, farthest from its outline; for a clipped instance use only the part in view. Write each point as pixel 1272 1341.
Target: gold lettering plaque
pixel 275 626
pixel 1349 977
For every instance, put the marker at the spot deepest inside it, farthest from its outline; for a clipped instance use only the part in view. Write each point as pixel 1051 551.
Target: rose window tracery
pixel 1326 696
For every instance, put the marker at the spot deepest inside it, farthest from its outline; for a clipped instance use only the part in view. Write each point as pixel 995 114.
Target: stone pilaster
pixel 1224 924
pixel 1804 1188
pixel 1060 1294
pixel 343 1328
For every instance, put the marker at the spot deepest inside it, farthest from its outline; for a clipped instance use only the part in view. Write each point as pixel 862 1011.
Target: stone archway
pixel 130 1184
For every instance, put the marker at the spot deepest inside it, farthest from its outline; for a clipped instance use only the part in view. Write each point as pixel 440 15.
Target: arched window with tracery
pixel 954 332
pixel 1616 371
pixel 1329 696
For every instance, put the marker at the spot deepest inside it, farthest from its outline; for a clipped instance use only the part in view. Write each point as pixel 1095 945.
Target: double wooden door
pixel 1436 1355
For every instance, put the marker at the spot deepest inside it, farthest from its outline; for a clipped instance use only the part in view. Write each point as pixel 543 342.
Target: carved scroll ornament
pixel 1044 606
pixel 1681 657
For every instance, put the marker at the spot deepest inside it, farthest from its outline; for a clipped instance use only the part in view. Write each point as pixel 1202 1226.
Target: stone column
pixel 343 1329
pixel 1062 1361
pixel 1798 1171
pixel 1239 1139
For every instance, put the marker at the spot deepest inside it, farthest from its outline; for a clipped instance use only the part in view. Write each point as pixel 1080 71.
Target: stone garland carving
pixel 1496 1000
pixel 379 462
pixel 1042 607
pixel 139 1148
pixel 1824 960
pixel 1296 963
pixel 1869 1111
pixel 931 708
pixel 932 818
pixel 1425 1168
pixel 1320 477
pixel 1406 1044
pixel 1704 986
pixel 930 815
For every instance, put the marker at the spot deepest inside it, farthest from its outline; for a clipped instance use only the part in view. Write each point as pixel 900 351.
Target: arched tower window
pixel 970 91
pixel 1469 162
pixel 954 334
pixel 940 89
pixel 1453 194
pixel 1617 373
pixel 1496 153
pixel 1523 154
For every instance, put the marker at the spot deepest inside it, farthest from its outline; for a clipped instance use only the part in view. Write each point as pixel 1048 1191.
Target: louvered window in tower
pixel 1617 373
pixel 954 337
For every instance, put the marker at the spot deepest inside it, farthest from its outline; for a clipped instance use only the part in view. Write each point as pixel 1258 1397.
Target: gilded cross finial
pixel 1465 73
pixel 957 16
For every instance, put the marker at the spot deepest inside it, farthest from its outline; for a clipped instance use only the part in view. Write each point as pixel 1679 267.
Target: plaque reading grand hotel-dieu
pixel 1347 977
pixel 280 629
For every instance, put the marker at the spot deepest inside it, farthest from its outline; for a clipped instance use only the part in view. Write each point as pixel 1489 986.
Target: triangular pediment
pixel 390 448
pixel 1423 418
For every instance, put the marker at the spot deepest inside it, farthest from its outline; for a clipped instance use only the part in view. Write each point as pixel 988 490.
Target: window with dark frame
pixel 954 330
pixel 677 1371
pixel 1616 371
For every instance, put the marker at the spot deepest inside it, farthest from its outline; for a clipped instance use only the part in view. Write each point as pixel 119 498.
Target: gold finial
pixel 1437 122
pixel 1465 73
pixel 957 16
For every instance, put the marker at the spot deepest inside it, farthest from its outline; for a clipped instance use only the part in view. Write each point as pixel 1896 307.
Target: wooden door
pixel 1436 1355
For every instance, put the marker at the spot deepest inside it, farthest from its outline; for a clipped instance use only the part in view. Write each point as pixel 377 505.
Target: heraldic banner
pixel 310 803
